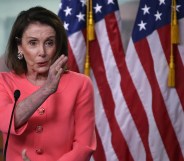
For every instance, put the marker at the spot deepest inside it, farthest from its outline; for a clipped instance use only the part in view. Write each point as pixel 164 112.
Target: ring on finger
pixel 57 69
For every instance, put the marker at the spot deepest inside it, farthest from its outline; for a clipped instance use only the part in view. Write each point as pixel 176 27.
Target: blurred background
pixel 10 8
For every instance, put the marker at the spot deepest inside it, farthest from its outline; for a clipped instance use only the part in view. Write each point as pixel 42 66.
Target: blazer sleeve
pixel 84 143
pixel 6 107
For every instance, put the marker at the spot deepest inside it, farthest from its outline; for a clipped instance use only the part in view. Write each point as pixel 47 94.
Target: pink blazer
pixel 63 127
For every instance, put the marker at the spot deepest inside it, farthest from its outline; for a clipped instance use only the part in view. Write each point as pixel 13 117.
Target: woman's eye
pixel 32 43
pixel 49 43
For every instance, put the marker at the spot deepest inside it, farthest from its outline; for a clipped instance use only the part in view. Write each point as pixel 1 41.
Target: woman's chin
pixel 43 70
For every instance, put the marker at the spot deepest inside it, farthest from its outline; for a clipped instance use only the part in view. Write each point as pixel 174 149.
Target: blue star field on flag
pixel 73 12
pixel 153 14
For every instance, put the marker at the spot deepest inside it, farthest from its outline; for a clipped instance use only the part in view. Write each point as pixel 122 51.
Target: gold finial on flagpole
pixel 174 41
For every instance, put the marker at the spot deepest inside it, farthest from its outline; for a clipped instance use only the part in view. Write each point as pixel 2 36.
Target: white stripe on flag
pixel 78 45
pixel 144 90
pixel 181 45
pixel 102 124
pixel 174 108
pixel 121 111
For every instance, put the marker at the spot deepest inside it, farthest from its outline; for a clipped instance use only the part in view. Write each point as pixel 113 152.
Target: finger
pixel 61 66
pixel 59 59
pixel 60 62
pixel 60 72
pixel 24 155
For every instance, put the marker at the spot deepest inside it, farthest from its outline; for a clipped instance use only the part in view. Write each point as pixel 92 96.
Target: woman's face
pixel 38 45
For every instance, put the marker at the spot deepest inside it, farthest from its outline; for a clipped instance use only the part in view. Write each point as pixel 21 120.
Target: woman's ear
pixel 19 48
pixel 18 41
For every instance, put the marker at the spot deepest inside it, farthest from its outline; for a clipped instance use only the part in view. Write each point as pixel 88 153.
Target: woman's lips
pixel 41 64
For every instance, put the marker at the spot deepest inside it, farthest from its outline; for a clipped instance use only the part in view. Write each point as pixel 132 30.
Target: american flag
pixel 138 117
pixel 157 110
pixel 106 55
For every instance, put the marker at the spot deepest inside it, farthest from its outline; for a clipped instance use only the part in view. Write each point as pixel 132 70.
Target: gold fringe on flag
pixel 174 41
pixel 90 35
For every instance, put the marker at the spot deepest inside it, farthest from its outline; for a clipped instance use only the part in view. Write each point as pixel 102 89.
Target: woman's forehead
pixel 39 30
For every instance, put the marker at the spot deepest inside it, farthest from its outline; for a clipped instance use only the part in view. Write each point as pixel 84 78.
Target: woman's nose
pixel 42 51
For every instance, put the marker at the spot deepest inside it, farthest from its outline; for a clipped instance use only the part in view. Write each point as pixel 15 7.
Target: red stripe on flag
pixel 71 60
pixel 179 69
pixel 99 154
pixel 136 108
pixel 158 106
pixel 118 141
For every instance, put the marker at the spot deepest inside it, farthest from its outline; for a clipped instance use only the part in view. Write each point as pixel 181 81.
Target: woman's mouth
pixel 42 64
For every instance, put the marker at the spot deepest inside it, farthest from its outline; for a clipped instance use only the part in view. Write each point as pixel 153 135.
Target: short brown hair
pixel 34 14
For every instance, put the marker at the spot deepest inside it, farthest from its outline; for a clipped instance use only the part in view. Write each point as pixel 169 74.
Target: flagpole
pixel 89 35
pixel 174 41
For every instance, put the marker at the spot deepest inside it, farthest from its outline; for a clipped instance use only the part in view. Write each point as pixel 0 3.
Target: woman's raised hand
pixel 55 72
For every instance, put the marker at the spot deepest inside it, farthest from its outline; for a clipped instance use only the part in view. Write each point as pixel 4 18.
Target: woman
pixel 54 116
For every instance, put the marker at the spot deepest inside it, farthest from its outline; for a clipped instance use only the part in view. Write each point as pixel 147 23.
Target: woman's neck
pixel 37 78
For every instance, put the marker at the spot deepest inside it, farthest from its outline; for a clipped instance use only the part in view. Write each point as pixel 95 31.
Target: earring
pixel 20 55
